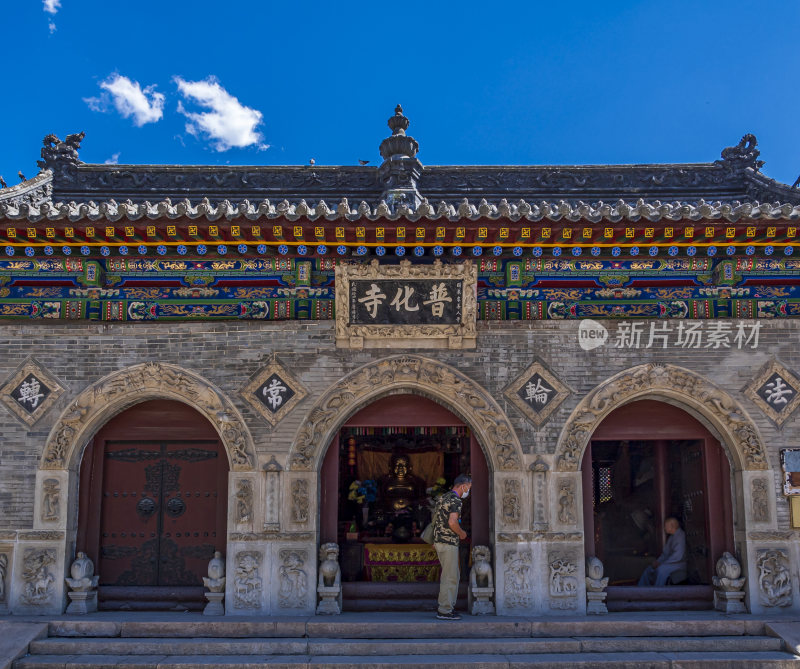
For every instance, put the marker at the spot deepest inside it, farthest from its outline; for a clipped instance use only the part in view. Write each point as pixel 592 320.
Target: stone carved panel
pixel 130 386
pixel 248 584
pixel 272 495
pixel 563 582
pixel 300 502
pixel 244 501
pixel 759 499
pixel 51 501
pixel 421 335
pixel 776 391
pixel 518 579
pixel 38 575
pixel 537 393
pixel 774 577
pixel 566 502
pixel 512 506
pixel 456 391
pixel 293 589
pixel 273 392
pixel 668 381
pixel 541 504
pixel 30 392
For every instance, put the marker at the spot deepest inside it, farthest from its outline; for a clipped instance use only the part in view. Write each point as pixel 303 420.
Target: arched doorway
pixel 385 566
pixel 646 461
pixel 153 505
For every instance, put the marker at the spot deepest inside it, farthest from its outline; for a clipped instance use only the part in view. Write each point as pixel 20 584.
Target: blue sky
pixel 248 82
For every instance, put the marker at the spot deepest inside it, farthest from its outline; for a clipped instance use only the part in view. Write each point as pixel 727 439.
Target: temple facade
pixel 287 365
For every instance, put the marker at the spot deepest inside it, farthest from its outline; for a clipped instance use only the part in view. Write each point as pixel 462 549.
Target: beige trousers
pixel 448 585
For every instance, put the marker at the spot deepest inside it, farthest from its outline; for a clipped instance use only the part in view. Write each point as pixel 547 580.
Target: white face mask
pixel 465 495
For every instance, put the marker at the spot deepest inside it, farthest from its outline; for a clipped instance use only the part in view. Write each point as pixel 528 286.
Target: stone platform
pixel 166 641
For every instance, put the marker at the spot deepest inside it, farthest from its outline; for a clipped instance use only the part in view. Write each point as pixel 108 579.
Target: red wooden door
pixel 153 506
pixel 158 524
pixel 694 508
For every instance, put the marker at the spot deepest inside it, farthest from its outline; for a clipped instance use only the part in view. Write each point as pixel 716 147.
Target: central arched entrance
pixel 647 461
pixel 153 505
pixel 385 565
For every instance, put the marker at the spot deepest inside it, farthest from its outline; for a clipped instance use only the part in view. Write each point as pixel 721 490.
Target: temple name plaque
pixel 425 306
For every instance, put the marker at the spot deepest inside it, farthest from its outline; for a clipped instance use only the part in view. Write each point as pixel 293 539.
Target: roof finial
pixel 398 123
pixel 400 169
pixel 399 144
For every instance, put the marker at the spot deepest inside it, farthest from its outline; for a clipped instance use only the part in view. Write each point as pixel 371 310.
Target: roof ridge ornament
pixel 400 169
pixel 60 156
pixel 743 155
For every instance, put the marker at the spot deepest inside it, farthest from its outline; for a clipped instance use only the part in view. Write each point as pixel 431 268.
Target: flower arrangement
pixel 438 489
pixel 366 492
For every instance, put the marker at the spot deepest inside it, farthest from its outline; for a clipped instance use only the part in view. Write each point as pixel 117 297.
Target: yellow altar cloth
pixel 404 563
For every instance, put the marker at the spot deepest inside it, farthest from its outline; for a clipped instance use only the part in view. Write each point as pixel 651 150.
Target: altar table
pixel 404 563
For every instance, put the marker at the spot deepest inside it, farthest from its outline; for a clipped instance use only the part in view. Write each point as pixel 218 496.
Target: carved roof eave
pixel 724 180
pixel 34 191
pixel 519 211
pixel 761 187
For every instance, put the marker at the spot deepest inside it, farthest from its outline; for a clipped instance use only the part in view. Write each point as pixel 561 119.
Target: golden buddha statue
pixel 400 489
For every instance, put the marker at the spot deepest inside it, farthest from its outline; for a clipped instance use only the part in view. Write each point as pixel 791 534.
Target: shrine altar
pixel 403 563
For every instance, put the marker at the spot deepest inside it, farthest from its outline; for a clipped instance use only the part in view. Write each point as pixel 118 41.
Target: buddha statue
pixel 400 489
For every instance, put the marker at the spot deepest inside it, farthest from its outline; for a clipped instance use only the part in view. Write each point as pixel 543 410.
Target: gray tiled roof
pixel 733 187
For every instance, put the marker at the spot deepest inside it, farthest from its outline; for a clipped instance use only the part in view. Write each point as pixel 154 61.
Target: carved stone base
pixel 480 601
pixel 329 603
pixel 729 602
pixel 596 603
pixel 82 602
pixel 215 607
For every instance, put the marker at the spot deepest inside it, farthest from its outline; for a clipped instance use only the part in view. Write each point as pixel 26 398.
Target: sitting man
pixel 672 558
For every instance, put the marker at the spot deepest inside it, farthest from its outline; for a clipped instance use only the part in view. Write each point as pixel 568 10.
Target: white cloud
pixel 145 105
pixel 51 7
pixel 229 123
pixel 114 160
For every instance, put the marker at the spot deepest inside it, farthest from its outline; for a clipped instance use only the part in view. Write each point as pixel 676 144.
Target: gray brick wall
pixel 228 353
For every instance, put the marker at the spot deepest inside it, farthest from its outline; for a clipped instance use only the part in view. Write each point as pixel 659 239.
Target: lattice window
pixel 602 488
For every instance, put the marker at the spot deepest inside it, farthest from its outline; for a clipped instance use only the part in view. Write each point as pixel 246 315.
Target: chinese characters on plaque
pixel 30 393
pixel 536 393
pixel 777 392
pixel 274 393
pixel 411 301
pixel 419 305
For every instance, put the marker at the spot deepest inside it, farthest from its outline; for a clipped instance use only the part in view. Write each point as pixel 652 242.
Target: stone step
pixel 404 626
pixel 475 646
pixel 651 660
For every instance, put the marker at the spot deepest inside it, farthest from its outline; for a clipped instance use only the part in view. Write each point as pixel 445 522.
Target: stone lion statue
pixel 481 582
pixel 330 575
pixel 481 576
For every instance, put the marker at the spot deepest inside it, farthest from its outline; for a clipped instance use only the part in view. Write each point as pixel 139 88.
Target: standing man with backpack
pixel 447 533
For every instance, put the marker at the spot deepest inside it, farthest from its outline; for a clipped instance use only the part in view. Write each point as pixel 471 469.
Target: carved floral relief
pixel 293 589
pixel 518 579
pixel 774 577
pixel 149 380
pixel 653 378
pixel 300 501
pixel 38 575
pixel 462 395
pixel 248 584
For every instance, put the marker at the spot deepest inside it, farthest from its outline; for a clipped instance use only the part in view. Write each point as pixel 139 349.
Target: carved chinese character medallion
pixel 273 392
pixel 30 392
pixel 776 391
pixel 537 393
pixel 424 306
